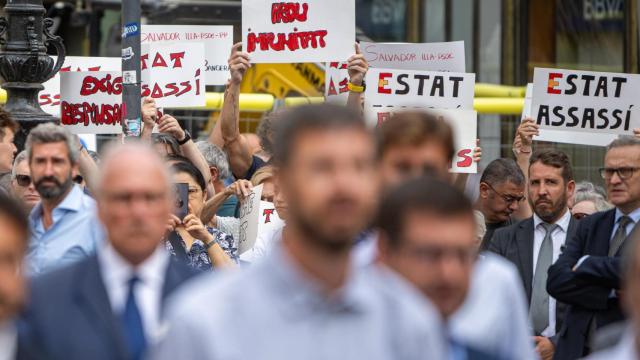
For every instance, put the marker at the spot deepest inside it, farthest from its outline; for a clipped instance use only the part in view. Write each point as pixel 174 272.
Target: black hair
pixel 503 170
pixel 306 118
pixel 424 194
pixel 191 170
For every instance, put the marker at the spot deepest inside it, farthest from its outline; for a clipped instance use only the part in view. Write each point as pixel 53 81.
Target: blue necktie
pixel 133 330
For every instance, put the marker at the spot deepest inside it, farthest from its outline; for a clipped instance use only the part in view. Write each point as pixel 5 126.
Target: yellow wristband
pixel 355 88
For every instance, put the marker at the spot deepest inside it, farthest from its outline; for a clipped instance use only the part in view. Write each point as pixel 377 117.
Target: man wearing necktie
pixel 535 243
pixel 587 274
pixel 109 306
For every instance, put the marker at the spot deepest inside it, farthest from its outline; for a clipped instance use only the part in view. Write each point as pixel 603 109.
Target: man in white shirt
pixel 533 244
pixel 109 305
pixel 13 245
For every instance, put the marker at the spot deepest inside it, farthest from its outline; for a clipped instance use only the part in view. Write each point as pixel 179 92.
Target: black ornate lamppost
pixel 24 63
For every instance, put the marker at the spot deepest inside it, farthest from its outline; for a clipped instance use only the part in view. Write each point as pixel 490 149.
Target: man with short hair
pixel 220 173
pixel 8 129
pixel 64 225
pixel 535 243
pixel 587 273
pixel 305 297
pixel 428 235
pixel 109 305
pixel 22 185
pixel 502 187
pixel 13 245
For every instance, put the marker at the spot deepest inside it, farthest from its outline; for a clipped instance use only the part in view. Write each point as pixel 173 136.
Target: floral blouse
pixel 197 256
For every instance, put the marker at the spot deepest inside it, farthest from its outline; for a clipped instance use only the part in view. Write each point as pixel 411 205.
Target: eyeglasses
pixel 509 199
pixel 624 173
pixel 23 180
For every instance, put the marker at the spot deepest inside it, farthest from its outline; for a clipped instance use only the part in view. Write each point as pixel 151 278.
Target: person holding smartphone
pixel 201 247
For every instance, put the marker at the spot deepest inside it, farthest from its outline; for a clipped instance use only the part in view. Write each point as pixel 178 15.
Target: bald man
pixel 109 305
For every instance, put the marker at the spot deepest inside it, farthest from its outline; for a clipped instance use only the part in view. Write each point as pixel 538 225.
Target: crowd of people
pixel 384 254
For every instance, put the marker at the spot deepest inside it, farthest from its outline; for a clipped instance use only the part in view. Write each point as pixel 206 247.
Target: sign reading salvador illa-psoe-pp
pixel 595 102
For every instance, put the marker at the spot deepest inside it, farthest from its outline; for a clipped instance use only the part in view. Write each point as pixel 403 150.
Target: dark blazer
pixel 587 289
pixel 69 316
pixel 515 243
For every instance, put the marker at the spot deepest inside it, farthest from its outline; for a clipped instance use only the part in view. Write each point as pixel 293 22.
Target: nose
pixel 514 206
pixel 48 169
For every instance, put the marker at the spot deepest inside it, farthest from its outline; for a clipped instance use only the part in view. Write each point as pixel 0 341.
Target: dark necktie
pixel 620 235
pixel 133 329
pixel 539 311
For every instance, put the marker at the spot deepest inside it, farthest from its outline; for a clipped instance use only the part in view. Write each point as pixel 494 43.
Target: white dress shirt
pixel 493 318
pixel 116 273
pixel 8 341
pixel 559 237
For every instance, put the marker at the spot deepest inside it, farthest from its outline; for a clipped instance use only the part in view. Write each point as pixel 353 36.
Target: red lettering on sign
pixel 267 213
pixel 288 12
pixel 553 83
pixel 90 114
pixel 382 82
pixel 465 158
pixel 92 85
pixel 292 41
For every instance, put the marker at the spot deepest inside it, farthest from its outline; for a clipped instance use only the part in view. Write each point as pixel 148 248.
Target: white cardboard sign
pixel 465 129
pixel 561 136
pixel 91 102
pixel 49 98
pixel 387 88
pixel 218 41
pixel 586 101
pixel 442 56
pixel 295 32
pixel 249 220
pixel 173 75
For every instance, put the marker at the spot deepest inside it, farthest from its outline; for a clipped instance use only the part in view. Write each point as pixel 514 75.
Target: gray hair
pixel 22 156
pixel 51 133
pixel 598 200
pixel 502 170
pixel 623 141
pixel 215 157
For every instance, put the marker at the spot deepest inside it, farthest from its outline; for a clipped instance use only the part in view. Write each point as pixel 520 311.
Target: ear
pixel 214 174
pixel 571 189
pixel 484 190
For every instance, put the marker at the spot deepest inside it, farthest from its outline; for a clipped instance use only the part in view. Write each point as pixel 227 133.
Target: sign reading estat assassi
pixel 596 102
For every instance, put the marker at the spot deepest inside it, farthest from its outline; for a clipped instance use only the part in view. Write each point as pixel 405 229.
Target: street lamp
pixel 24 63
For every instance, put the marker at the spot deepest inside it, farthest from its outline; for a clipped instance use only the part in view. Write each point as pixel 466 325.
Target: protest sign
pixel 584 101
pixel 465 128
pixel 49 98
pixel 420 89
pixel 269 218
pixel 565 137
pixel 217 40
pixel 249 220
pixel 336 79
pixel 172 74
pixel 295 32
pixel 442 56
pixel 91 102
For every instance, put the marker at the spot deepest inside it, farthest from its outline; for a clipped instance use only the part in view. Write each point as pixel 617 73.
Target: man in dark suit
pixel 587 274
pixel 535 243
pixel 109 306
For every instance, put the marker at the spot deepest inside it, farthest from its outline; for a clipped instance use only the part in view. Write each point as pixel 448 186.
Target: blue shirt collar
pixel 72 202
pixel 634 215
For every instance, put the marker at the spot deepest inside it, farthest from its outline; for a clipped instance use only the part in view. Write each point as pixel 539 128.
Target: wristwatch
pixel 187 137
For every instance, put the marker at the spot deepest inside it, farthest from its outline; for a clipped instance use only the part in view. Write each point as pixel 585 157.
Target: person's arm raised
pixel 149 118
pixel 358 67
pixel 227 128
pixel 522 148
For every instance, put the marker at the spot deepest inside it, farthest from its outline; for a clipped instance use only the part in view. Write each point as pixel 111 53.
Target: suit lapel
pixel 177 273
pixel 602 234
pixel 524 241
pixel 92 298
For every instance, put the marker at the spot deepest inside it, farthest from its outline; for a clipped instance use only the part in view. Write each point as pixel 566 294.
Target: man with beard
pixel 587 273
pixel 64 227
pixel 109 305
pixel 534 244
pixel 306 300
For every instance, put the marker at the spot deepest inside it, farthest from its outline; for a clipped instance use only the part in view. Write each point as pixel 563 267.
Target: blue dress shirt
pixel 75 233
pixel 274 311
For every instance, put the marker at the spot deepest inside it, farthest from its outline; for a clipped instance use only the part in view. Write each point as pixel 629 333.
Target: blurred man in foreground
pixel 305 298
